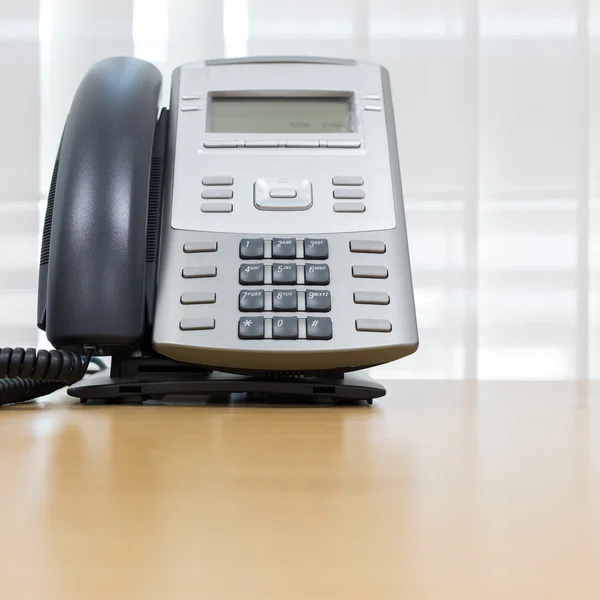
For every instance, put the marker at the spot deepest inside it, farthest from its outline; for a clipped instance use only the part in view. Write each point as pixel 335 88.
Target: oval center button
pixel 283 193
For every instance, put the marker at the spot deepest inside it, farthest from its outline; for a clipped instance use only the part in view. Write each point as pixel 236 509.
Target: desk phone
pixel 250 237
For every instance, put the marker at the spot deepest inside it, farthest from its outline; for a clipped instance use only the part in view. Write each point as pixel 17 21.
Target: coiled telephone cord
pixel 26 374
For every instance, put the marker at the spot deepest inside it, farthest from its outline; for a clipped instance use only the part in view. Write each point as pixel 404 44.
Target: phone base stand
pixel 143 380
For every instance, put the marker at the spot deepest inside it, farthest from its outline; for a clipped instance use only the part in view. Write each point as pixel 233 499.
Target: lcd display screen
pixel 280 115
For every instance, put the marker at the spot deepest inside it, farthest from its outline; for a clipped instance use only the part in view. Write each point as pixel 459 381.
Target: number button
pixel 285 300
pixel 251 274
pixel 252 248
pixel 284 248
pixel 318 300
pixel 252 300
pixel 251 328
pixel 285 328
pixel 316 274
pixel 284 274
pixel 316 249
pixel 319 328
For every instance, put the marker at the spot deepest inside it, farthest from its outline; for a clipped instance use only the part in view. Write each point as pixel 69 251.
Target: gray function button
pixel 316 249
pixel 198 298
pixel 261 143
pixel 367 246
pixel 343 144
pixel 318 300
pixel 221 144
pixel 371 298
pixel 302 143
pixel 373 107
pixel 251 328
pixel 252 300
pixel 319 328
pixel 377 325
pixel 190 97
pixel 284 273
pixel 190 107
pixel 216 207
pixel 192 247
pixel 285 300
pixel 197 272
pixel 371 97
pixel 369 272
pixel 283 193
pixel 285 328
pixel 218 180
pixel 349 207
pixel 196 324
pixel 348 194
pixel 217 194
pixel 283 248
pixel 252 248
pixel 317 274
pixel 252 274
pixel 347 180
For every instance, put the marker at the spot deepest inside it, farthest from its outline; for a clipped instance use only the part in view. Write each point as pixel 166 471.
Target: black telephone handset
pixel 99 246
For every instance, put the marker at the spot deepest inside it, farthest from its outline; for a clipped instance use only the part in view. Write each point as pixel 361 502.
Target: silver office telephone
pixel 250 238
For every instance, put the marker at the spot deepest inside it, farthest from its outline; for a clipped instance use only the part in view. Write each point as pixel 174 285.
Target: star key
pixel 251 328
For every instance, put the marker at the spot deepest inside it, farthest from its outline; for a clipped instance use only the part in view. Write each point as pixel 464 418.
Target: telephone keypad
pixel 252 300
pixel 318 300
pixel 285 300
pixel 285 274
pixel 284 248
pixel 252 274
pixel 316 274
pixel 251 328
pixel 316 249
pixel 252 248
pixel 319 328
pixel 285 328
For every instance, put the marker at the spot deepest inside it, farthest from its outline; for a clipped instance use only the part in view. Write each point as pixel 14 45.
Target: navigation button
pixel 251 328
pixel 349 207
pixel 282 193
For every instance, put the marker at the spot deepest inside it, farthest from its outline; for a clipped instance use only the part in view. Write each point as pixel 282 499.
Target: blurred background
pixel 498 115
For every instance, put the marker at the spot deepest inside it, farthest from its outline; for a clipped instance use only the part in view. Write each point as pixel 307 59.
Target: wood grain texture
pixel 440 490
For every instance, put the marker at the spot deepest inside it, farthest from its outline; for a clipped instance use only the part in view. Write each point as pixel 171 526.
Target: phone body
pixel 257 224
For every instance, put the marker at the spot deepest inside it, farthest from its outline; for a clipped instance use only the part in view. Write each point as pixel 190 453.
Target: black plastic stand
pixel 147 379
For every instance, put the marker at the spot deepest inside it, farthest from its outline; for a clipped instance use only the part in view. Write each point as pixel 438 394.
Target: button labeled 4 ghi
pixel 253 274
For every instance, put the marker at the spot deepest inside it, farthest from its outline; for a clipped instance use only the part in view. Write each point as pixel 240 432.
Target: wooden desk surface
pixel 441 490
